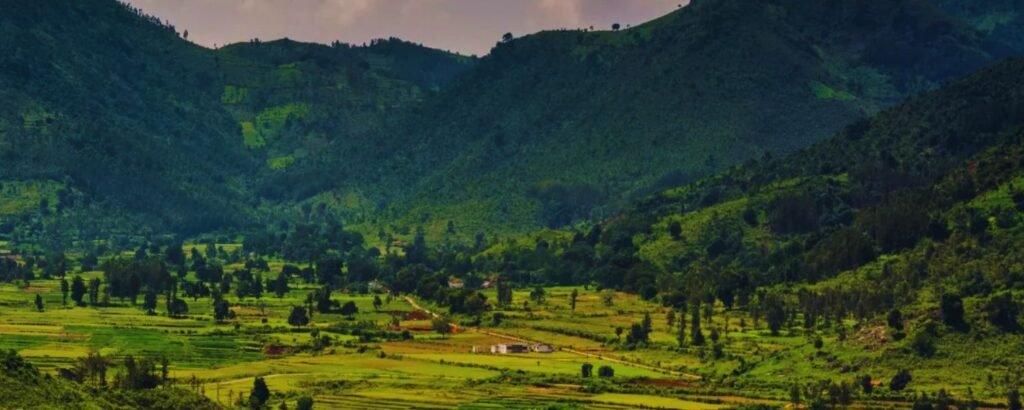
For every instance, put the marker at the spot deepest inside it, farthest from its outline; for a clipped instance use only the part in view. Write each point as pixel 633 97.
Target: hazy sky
pixel 467 26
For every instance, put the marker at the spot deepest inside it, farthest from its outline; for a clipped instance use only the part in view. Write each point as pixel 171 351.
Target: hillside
pixel 125 129
pixel 559 126
pixel 915 211
pixel 22 386
pixel 112 124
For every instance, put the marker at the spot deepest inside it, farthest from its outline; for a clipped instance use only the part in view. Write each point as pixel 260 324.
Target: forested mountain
pixel 111 121
pixel 553 126
pixel 910 220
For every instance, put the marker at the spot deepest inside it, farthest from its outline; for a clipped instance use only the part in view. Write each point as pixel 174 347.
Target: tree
pixel 78 290
pixel 322 297
pixel 1001 310
pixel 504 292
pixel 647 324
pixel 64 289
pixel 923 343
pixel 377 303
pixel 94 291
pixel 774 313
pixel 537 295
pixel 259 394
pixel 952 308
pixel 670 318
pixel 606 372
pixel 865 384
pixel 177 308
pixel 174 254
pixel 298 317
pixel 304 403
pixel 681 332
pixel 149 301
pixel 696 335
pixel 221 310
pixel 475 304
pixel 675 230
pixel 349 309
pixel 637 334
pixel 280 285
pixel 616 27
pixel 39 302
pixel 618 332
pixel 572 299
pixel 895 320
pixel 587 370
pixel 507 37
pixel 441 326
pixel 900 380
pixel 1013 400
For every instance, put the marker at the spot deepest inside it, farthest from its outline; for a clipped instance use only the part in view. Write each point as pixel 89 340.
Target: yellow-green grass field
pixel 429 371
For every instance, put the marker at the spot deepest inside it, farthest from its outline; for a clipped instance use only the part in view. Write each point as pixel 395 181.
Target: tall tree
pixel 259 394
pixel 696 335
pixel 78 290
pixel 64 289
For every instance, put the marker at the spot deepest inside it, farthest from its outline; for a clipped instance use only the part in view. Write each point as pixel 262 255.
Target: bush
pixel 900 381
pixel 606 372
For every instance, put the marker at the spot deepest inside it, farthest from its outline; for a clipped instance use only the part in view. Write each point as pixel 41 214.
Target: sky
pixel 465 26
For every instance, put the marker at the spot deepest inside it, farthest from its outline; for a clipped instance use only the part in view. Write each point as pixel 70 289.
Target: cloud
pixel 468 26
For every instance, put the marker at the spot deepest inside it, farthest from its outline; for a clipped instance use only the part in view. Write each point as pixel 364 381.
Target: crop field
pixel 425 369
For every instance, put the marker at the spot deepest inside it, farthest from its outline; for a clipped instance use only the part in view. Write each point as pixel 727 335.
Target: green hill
pixel 916 211
pixel 111 124
pixel 559 126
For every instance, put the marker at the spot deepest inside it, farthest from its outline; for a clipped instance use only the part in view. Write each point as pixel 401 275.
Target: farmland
pixel 426 370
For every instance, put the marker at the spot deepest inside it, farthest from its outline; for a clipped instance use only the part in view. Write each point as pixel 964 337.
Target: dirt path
pixel 455 328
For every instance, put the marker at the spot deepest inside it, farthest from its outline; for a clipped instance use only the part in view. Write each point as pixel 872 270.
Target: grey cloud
pixel 468 26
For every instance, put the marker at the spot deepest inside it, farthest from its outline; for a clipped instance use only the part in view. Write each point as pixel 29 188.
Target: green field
pixel 443 371
pixel 427 371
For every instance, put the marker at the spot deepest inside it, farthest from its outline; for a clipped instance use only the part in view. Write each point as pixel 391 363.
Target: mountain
pixel 558 126
pixel 113 123
pixel 896 240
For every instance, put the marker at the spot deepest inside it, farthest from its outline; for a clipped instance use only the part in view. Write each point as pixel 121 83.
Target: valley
pixel 738 205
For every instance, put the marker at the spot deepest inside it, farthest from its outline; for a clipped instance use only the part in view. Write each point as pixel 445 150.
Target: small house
pixel 543 348
pixel 456 283
pixel 510 348
pixel 376 286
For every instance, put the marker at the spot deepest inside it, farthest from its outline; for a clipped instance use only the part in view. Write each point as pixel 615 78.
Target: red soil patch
pixel 416 315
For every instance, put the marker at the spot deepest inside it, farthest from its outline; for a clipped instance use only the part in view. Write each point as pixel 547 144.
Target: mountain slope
pixel 554 127
pixel 896 241
pixel 112 124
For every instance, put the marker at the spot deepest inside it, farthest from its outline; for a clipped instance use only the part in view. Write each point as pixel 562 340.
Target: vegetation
pixel 708 248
